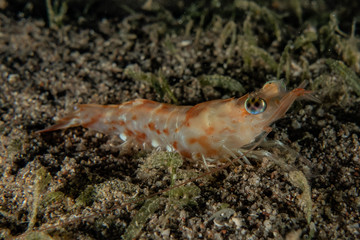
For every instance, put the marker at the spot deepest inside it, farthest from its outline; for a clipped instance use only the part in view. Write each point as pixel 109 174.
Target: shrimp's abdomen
pixel 145 122
pixel 151 123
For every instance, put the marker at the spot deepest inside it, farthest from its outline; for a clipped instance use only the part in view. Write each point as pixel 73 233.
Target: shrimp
pixel 211 130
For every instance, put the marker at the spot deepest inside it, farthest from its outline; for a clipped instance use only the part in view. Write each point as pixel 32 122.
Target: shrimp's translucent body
pixel 209 130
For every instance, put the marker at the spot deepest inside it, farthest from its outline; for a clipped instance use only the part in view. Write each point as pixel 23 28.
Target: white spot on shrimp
pixel 169 148
pixel 123 136
pixel 155 143
pixel 138 102
pixel 122 117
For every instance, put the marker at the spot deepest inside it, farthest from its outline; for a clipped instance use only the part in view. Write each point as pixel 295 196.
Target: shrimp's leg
pixel 279 144
pixel 271 156
pixel 242 155
pixel 206 165
pixel 230 153
pixel 252 146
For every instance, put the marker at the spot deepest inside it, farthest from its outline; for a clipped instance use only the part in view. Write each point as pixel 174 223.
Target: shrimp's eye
pixel 255 105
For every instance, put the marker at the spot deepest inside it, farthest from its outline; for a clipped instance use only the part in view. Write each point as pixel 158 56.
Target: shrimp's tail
pixel 66 122
pixel 85 115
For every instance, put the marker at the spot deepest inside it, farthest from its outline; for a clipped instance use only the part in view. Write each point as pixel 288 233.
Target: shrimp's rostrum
pixel 209 130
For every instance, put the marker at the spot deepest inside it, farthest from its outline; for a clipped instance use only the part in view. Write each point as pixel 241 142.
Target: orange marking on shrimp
pixel 209 130
pixel 164 109
pixel 300 91
pixel 185 154
pixel 140 136
pixel 203 141
pixel 175 145
pixel 116 122
pixel 128 132
pixel 129 103
pixel 243 112
pixel 194 112
pixel 113 128
pixel 152 126
pixel 92 121
pixel 227 130
pixel 214 125
pixel 192 140
pixel 166 131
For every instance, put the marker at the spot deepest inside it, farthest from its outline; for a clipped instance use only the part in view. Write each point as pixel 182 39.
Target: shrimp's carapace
pixel 209 130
